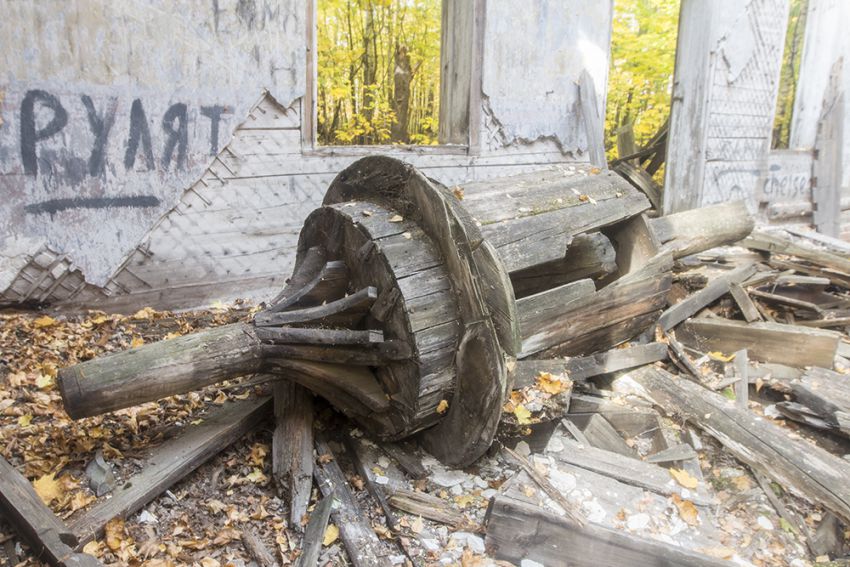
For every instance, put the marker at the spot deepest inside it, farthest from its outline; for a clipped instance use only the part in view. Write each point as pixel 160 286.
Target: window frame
pixel 460 56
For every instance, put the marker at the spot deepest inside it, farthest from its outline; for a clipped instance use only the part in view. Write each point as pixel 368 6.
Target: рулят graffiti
pixel 175 127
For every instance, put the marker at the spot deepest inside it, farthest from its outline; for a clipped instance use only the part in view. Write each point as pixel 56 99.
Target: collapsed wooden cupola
pixel 410 302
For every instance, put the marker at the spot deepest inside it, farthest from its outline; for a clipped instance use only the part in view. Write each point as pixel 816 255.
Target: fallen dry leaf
pixel 48 488
pixel 523 416
pixel 331 535
pixel 114 533
pixel 684 478
pixel 687 511
pixel 396 218
pixel 44 321
pixel 442 407
pixel 552 383
pixel 417 525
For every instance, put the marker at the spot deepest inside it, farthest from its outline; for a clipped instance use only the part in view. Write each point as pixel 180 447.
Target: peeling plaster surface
pixel 83 80
pixel 534 53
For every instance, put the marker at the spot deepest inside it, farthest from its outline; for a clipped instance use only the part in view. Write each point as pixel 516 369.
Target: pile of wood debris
pixel 721 436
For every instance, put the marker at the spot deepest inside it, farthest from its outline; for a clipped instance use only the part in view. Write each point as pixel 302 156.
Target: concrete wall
pixel 179 229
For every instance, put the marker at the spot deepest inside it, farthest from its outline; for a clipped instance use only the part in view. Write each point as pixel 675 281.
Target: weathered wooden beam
pixel 582 367
pixel 427 506
pixel 315 532
pixel 697 230
pixel 745 303
pixel 768 342
pixel 800 466
pixel 362 544
pixel 292 447
pixel 341 311
pixel 329 283
pixel 172 461
pixel 257 549
pixel 718 287
pixel 158 370
pixel 776 243
pixel 519 530
pixel 48 537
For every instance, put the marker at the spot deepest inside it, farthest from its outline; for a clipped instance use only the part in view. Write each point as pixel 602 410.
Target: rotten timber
pixel 800 466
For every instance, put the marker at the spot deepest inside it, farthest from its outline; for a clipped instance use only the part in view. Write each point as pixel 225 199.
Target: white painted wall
pixel 233 232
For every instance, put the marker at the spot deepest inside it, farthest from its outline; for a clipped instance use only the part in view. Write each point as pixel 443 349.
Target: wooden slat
pixel 171 462
pixel 794 463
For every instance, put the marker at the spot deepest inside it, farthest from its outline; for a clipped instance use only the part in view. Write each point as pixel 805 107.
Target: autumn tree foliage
pixel 378 71
pixel 643 55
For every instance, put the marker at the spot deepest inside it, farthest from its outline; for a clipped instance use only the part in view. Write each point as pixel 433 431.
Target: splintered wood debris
pixel 713 431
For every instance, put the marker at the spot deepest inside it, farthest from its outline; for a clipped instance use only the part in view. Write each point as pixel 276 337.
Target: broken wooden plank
pixel 172 461
pixel 767 342
pixel 629 470
pixel 346 310
pixel 583 367
pixel 742 386
pixel 599 433
pixel 696 230
pixel 827 395
pixel 257 549
pixel 718 287
pixel 314 535
pixel 362 544
pixel 427 506
pixel 518 530
pixel 292 448
pixel 376 491
pixel 404 454
pixel 777 243
pixel 47 536
pixel 800 466
pixel 569 508
pixel 745 303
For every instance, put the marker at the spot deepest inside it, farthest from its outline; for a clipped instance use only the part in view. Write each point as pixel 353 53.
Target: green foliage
pixel 378 71
pixel 789 73
pixel 643 54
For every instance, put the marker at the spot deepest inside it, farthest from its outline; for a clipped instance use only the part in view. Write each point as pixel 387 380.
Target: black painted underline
pixel 56 205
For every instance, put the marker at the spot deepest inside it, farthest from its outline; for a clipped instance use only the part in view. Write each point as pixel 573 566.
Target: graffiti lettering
pixel 139 132
pixel 43 116
pixel 214 114
pixel 30 136
pixel 100 126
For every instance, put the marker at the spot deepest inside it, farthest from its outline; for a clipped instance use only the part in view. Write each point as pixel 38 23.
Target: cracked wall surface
pixel 196 216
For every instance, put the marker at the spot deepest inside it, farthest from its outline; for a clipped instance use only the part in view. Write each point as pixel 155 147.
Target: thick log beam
pixel 158 370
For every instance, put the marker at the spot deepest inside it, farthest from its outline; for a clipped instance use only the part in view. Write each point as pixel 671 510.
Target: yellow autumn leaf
pixel 48 488
pixel 137 342
pixel 257 477
pixel 99 320
pixel 258 454
pixel 114 533
pixel 523 416
pixel 442 407
pixel 44 321
pixel 93 548
pixel 720 357
pixel 552 384
pixel 145 313
pixel 331 534
pixel 417 525
pixel 210 562
pixel 687 511
pixel 464 500
pixel 684 478
pixel 25 420
pixel 43 381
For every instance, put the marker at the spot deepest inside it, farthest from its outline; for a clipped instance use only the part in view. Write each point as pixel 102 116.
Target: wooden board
pixel 171 462
pixel 796 464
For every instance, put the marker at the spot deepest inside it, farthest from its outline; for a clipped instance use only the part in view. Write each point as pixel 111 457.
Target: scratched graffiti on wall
pixel 43 117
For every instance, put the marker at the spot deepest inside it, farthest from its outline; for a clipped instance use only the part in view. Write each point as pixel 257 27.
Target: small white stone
pixel 383 462
pixel 146 517
pixel 456 490
pixel 380 479
pixel 397 559
pixel 429 544
pixel 764 523
pixel 594 511
pixel 447 478
pixel 480 482
pixel 555 445
pixel 564 482
pixel 530 563
pixel 489 493
pixel 637 522
pixel 523 449
pixel 473 542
